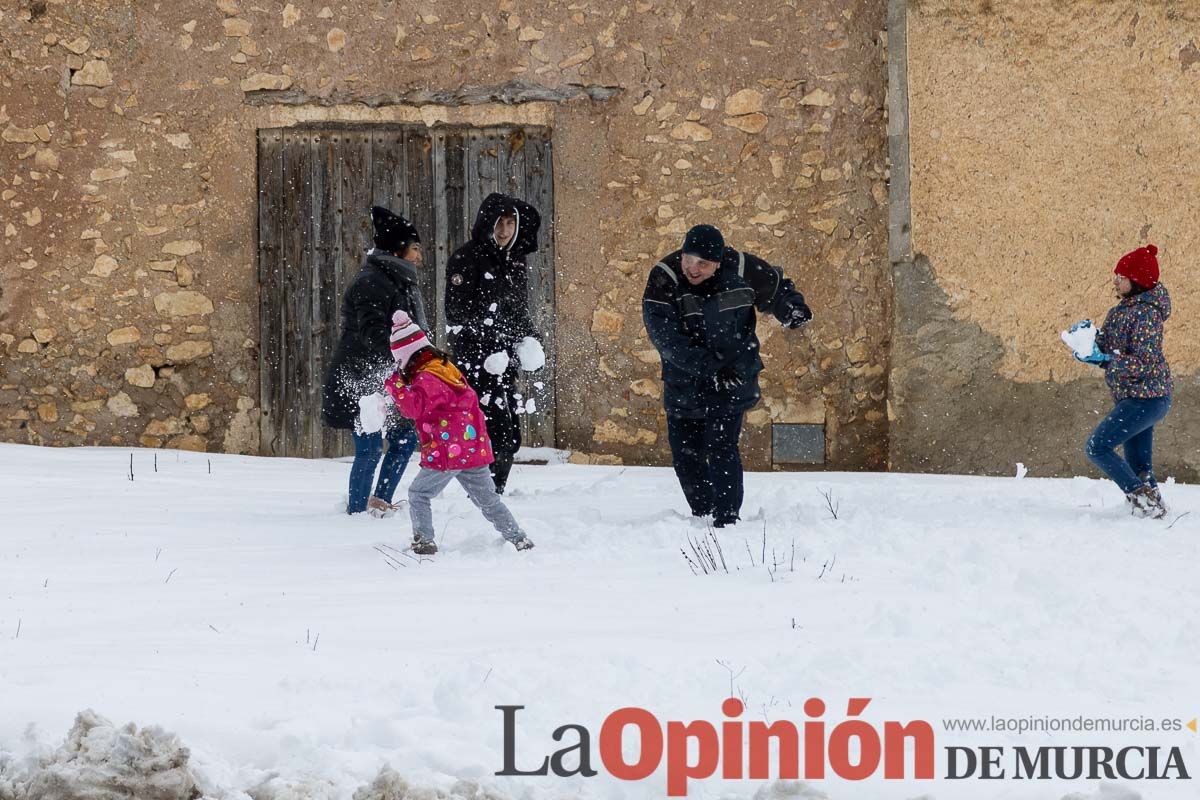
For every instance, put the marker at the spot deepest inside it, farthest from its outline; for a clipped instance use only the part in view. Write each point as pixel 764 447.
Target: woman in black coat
pixel 362 361
pixel 487 311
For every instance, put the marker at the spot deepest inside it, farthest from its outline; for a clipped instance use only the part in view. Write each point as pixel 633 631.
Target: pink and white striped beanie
pixel 407 338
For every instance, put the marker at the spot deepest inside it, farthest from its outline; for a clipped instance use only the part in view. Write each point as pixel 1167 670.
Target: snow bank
pixel 388 785
pixel 99 761
pixel 542 455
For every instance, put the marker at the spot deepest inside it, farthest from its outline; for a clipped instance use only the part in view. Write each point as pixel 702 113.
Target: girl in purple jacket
pixel 1129 349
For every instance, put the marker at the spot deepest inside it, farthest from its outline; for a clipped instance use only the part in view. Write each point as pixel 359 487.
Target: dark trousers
pixel 498 401
pixel 497 394
pixel 707 462
pixel 368 448
pixel 1131 423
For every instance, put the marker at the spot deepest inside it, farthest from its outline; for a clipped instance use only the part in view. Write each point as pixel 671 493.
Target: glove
pixel 726 379
pixel 1095 357
pixel 1083 323
pixel 798 313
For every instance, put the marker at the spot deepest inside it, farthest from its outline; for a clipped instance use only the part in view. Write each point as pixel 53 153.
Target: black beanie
pixel 704 241
pixel 393 232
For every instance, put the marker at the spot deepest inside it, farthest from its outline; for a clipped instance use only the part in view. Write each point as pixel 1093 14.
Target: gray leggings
pixel 429 483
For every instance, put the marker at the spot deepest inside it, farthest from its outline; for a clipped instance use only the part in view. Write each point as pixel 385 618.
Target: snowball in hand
pixel 372 411
pixel 530 354
pixel 496 363
pixel 1082 340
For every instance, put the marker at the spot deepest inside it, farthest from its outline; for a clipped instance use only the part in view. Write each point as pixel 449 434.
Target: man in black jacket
pixel 487 313
pixel 698 308
pixel 386 283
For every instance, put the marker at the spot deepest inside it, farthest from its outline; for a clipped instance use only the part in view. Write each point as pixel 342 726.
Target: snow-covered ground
pixel 227 600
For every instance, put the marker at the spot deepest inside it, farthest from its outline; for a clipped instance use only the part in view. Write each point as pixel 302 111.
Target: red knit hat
pixel 1140 266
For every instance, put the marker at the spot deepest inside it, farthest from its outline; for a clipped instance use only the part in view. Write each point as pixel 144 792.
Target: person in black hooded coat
pixel 386 283
pixel 487 312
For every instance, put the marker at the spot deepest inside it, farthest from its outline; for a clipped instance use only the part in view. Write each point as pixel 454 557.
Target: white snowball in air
pixel 372 411
pixel 496 363
pixel 530 354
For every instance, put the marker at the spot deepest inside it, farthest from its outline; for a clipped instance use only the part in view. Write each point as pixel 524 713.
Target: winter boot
pixel 524 543
pixel 1145 501
pixel 424 547
pixel 726 521
pixel 382 509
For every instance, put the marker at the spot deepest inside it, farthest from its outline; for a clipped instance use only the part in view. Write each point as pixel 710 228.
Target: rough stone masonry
pixel 129 305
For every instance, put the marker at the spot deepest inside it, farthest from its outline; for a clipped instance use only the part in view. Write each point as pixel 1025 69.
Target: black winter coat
pixel 699 330
pixel 487 311
pixel 487 288
pixel 363 358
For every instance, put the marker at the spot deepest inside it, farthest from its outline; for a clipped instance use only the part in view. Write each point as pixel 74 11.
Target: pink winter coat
pixel 449 424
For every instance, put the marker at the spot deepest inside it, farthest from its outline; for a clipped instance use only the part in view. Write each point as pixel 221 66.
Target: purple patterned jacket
pixel 1133 335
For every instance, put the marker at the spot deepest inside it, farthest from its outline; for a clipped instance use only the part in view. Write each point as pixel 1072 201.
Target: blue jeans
pixel 402 440
pixel 1131 423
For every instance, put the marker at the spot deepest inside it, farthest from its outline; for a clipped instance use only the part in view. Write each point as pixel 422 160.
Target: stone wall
pixel 128 311
pixel 1047 139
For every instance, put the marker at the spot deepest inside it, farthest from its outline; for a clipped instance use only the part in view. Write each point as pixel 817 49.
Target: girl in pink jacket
pixel 428 389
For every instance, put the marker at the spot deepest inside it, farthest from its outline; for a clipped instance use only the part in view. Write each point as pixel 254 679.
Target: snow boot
pixel 524 543
pixel 382 509
pixel 424 547
pixel 1145 501
pixel 726 521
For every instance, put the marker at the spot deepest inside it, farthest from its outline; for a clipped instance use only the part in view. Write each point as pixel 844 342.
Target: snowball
pixel 530 406
pixel 372 411
pixel 492 307
pixel 496 363
pixel 530 354
pixel 488 321
pixel 1082 340
pixel 489 276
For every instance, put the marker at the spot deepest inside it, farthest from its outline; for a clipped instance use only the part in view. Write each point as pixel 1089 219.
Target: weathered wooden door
pixel 316 184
